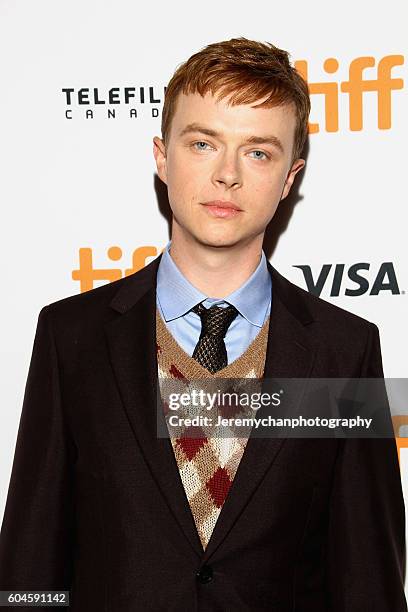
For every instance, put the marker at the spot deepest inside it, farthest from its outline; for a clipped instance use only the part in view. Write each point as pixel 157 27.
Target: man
pixel 124 520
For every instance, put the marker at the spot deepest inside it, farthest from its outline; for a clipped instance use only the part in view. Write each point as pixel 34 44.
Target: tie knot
pixel 215 320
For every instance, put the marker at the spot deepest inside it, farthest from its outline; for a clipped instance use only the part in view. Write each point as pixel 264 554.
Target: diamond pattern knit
pixel 207 465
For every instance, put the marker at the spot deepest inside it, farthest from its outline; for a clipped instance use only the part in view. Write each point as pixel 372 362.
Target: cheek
pixel 268 189
pixel 184 186
pixel 176 179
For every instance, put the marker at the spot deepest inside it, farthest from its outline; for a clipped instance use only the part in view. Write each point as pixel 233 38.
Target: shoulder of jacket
pixel 314 308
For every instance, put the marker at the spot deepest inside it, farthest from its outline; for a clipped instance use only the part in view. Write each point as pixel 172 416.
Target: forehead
pixel 242 119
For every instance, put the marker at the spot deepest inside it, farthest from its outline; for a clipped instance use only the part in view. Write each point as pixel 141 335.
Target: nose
pixel 227 171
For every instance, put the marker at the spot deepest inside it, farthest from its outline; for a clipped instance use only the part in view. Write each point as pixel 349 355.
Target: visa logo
pixel 351 281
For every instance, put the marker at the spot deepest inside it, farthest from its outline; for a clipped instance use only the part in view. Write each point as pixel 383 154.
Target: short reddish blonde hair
pixel 246 70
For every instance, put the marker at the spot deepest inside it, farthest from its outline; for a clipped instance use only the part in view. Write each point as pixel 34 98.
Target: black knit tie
pixel 210 351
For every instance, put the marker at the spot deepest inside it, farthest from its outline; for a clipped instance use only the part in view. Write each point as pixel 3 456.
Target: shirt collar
pixel 177 295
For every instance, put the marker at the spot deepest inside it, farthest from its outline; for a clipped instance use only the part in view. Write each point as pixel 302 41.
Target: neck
pixel 216 271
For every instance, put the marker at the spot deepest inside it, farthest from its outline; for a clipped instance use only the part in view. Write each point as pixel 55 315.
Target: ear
pixel 159 152
pixel 297 165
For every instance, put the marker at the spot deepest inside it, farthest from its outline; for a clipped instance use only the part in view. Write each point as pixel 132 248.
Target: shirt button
pixel 205 574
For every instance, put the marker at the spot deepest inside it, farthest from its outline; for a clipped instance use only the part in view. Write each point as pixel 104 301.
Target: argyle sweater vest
pixel 207 465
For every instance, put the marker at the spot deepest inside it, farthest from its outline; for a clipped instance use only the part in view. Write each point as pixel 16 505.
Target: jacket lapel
pixel 290 354
pixel 132 346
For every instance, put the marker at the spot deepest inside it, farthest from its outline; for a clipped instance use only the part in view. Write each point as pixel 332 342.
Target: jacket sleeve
pixel 365 554
pixel 36 539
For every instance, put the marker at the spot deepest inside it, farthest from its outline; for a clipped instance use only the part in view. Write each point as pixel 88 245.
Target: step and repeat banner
pixel 82 89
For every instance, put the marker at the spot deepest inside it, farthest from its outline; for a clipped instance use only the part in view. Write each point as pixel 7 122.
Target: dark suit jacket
pixel 96 505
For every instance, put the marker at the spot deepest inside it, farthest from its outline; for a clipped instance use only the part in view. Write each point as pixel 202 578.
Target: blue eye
pixel 258 156
pixel 200 148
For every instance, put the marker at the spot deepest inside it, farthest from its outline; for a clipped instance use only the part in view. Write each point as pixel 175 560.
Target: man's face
pixel 226 168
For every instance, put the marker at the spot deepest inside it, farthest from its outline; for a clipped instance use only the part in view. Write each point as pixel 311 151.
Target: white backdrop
pixel 78 185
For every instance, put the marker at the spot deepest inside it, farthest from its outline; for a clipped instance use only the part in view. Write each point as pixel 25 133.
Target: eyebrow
pixel 258 140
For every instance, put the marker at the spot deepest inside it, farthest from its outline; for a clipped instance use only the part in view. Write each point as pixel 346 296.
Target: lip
pixel 222 204
pixel 222 209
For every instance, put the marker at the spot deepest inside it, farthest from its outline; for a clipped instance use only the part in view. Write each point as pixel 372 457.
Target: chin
pixel 218 241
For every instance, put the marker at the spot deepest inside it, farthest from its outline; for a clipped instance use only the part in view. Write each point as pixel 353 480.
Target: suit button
pixel 205 574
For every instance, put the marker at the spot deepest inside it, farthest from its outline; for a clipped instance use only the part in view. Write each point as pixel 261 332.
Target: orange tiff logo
pixel 87 274
pixel 355 87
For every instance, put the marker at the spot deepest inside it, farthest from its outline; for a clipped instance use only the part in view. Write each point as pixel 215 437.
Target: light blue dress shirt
pixel 176 296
